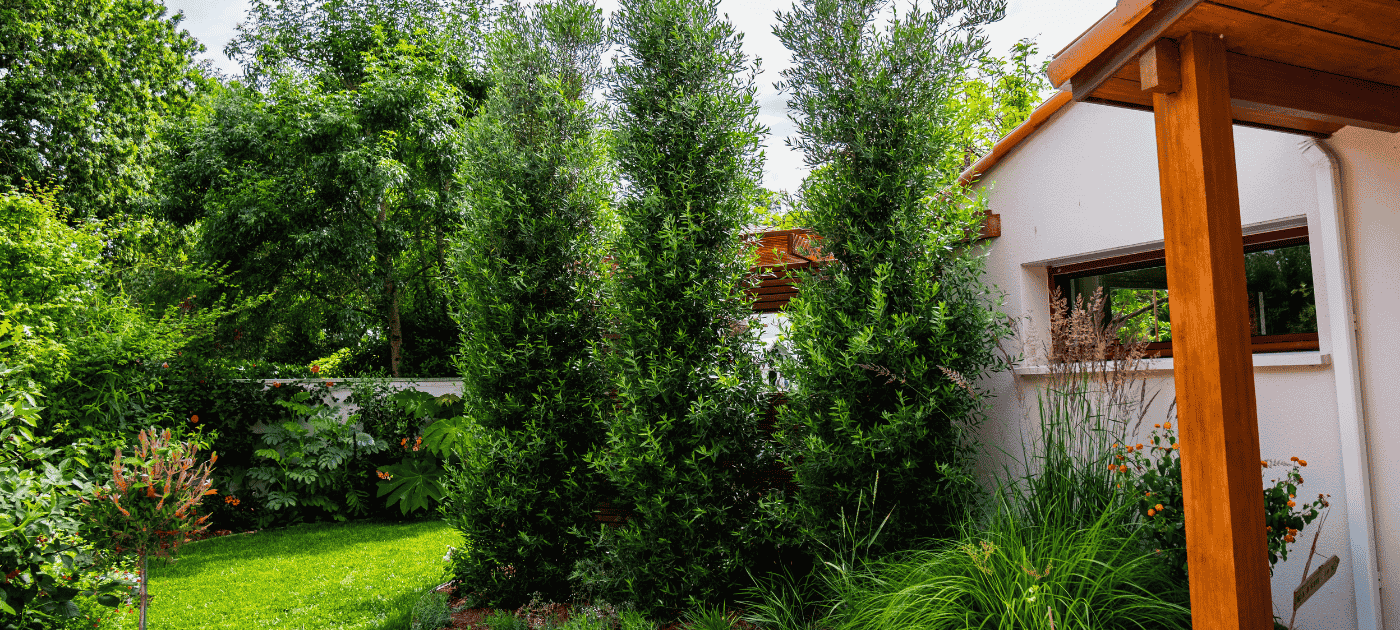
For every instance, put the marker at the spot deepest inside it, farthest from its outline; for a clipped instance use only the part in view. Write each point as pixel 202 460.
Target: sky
pixel 1053 24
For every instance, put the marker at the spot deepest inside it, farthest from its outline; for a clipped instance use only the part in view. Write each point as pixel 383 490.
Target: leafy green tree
pixel 84 85
pixel 886 339
pixel 329 38
pixel 683 443
pixel 337 199
pixel 994 97
pixel 527 267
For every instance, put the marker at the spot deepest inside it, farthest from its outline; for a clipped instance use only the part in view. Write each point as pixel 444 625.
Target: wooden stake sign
pixel 1315 581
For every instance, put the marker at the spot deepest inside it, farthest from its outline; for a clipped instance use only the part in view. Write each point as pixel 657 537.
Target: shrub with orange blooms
pixel 1156 478
pixel 150 505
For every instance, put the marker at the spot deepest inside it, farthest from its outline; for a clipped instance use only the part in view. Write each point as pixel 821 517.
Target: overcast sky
pixel 1052 23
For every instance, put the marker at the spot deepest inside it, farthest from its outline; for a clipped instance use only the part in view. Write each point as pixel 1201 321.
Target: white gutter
pixel 1346 361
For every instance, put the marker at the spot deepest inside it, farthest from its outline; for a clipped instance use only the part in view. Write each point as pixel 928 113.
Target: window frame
pixel 1273 239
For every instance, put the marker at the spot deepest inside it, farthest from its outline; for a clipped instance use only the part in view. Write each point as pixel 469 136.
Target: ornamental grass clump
pixel 151 504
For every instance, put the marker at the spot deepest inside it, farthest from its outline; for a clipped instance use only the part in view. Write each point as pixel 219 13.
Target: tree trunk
pixel 142 593
pixel 395 329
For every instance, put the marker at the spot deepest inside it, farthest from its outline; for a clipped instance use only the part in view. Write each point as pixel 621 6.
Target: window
pixel 1278 279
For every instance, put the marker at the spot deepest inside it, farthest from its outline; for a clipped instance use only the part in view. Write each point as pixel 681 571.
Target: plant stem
pixel 145 599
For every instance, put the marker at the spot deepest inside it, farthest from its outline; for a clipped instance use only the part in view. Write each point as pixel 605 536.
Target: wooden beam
pixel 1161 67
pixel 1072 58
pixel 1127 47
pixel 1265 37
pixel 1214 370
pixel 1270 86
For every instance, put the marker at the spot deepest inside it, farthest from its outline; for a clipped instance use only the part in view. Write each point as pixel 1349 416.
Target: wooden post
pixel 1226 550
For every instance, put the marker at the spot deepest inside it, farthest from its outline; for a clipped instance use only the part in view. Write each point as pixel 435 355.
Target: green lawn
pixel 325 576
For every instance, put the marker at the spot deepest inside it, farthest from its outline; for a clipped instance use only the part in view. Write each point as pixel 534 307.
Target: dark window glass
pixel 1278 278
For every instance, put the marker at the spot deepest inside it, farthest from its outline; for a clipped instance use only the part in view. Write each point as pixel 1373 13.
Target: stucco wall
pixel 1370 164
pixel 1085 186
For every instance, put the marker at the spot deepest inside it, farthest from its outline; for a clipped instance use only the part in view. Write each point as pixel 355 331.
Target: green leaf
pixel 416 484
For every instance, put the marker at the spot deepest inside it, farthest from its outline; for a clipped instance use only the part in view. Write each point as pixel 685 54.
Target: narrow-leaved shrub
pixel 682 441
pixel 527 271
pixel 894 329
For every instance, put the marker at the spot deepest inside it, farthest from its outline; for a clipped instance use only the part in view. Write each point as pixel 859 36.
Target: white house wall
pixel 1086 186
pixel 1370 165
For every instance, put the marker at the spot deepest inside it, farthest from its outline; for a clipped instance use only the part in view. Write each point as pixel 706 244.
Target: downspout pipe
pixel 1346 369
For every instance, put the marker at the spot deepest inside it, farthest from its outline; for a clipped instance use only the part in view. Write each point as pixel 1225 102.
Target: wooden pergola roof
pixel 1202 66
pixel 1305 66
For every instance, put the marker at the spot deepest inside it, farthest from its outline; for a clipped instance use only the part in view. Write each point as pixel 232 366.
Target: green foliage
pixel 44 561
pixel 683 448
pixel 431 612
pixel 1062 547
pixel 79 338
pixel 526 263
pixel 329 39
pixel 306 463
pixel 884 341
pixel 86 84
pixel 991 99
pixel 413 483
pixel 335 196
pixel 1155 475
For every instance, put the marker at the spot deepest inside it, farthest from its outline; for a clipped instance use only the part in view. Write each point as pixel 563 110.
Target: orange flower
pixel 1157 426
pixel 1159 507
pixel 1166 425
pixel 194 418
pixel 330 384
pixel 1122 469
pixel 1139 447
pixel 278 384
pixel 1292 503
pixel 1302 462
pixel 211 491
pixel 1151 512
pixel 315 369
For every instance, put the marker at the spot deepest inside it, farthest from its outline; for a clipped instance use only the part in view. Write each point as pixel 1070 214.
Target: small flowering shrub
pixel 150 505
pixel 1155 473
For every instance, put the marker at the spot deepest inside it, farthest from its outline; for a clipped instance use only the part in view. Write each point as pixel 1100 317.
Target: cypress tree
pixel 528 272
pixel 682 441
pixel 887 339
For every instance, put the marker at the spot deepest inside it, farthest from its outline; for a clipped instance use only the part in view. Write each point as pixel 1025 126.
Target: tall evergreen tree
pixel 886 339
pixel 527 265
pixel 682 439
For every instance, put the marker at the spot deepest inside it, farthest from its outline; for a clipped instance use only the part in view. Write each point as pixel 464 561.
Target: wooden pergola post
pixel 1214 369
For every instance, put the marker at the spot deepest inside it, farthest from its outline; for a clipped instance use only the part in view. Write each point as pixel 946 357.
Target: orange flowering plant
pixel 150 505
pixel 1154 472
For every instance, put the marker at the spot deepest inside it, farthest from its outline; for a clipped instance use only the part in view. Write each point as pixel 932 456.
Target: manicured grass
pixel 339 576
